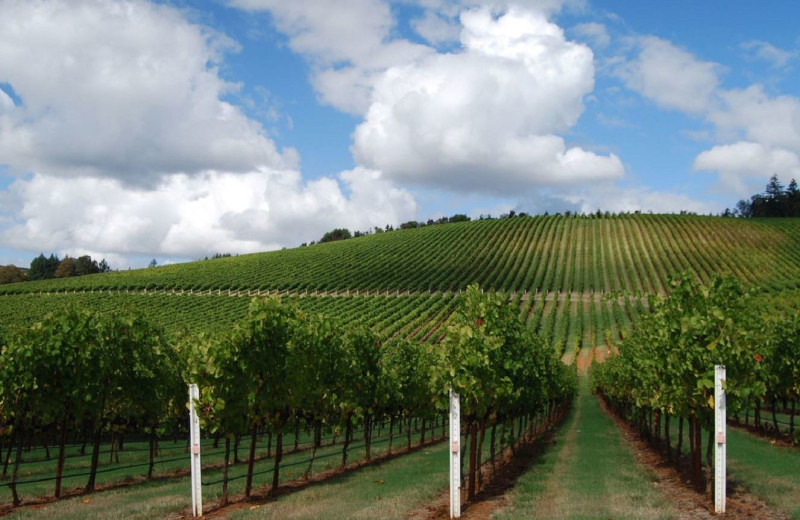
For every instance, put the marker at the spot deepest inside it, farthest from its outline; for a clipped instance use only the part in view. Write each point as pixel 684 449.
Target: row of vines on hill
pixel 282 368
pixel 631 253
pixel 666 366
pixel 570 324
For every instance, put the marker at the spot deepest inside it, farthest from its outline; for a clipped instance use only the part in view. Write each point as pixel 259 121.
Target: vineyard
pixel 546 254
pixel 323 357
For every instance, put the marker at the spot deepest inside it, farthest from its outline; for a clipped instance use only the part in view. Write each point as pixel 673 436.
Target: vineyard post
pixel 720 444
pixel 194 441
pixel 455 458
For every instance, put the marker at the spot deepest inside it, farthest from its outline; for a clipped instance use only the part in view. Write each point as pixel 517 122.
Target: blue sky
pixel 133 130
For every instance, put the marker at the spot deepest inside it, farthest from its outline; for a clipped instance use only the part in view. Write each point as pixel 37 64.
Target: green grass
pixel 770 472
pixel 589 472
pixel 389 490
pixel 163 497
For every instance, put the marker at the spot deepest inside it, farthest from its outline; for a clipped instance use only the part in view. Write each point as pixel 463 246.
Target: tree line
pixel 44 268
pixel 344 233
pixel 776 201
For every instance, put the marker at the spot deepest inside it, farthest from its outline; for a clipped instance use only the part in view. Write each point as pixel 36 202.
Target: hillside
pixel 580 281
pixel 629 253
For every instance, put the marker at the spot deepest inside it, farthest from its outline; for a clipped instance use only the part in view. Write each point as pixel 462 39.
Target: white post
pixel 455 455
pixel 194 441
pixel 721 441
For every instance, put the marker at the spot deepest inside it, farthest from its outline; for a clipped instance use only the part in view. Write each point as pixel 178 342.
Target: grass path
pixel 589 473
pixel 770 472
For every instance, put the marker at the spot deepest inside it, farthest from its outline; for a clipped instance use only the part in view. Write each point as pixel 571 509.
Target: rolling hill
pixel 579 280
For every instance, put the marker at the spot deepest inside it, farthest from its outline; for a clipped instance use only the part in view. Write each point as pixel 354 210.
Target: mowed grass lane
pixel 588 473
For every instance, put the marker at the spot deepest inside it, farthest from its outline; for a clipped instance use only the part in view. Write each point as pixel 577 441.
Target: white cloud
pixel 776 57
pixel 670 76
pixel 348 47
pixel 194 216
pixel 436 29
pixel 609 197
pixel 486 118
pixel 745 166
pixel 593 32
pixel 6 103
pixel 124 89
pixel 760 136
pixel 772 121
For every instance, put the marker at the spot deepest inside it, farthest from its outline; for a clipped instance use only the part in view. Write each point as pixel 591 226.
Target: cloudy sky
pixel 133 130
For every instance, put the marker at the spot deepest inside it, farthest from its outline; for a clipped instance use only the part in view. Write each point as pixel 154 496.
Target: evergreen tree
pixel 43 268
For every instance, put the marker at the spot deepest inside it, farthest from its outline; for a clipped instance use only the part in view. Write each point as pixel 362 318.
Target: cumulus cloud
pixel 595 33
pixel 760 135
pixel 486 118
pixel 773 121
pixel 347 47
pixel 436 29
pixel 670 76
pixel 743 166
pixel 616 199
pixel 193 216
pixel 122 142
pixel 6 103
pixel 776 57
pixel 127 89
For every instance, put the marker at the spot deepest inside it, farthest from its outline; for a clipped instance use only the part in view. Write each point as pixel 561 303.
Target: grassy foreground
pixel 767 471
pixel 770 472
pixel 396 486
pixel 589 473
pixel 389 490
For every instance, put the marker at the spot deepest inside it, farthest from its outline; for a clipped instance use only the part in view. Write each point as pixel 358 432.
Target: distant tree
pixel 43 267
pixel 774 189
pixel 460 217
pixel 411 224
pixel 378 230
pixel 153 263
pixel 336 234
pixel 103 266
pixel 793 200
pixel 774 202
pixel 743 209
pixel 67 268
pixel 85 265
pixel 11 274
